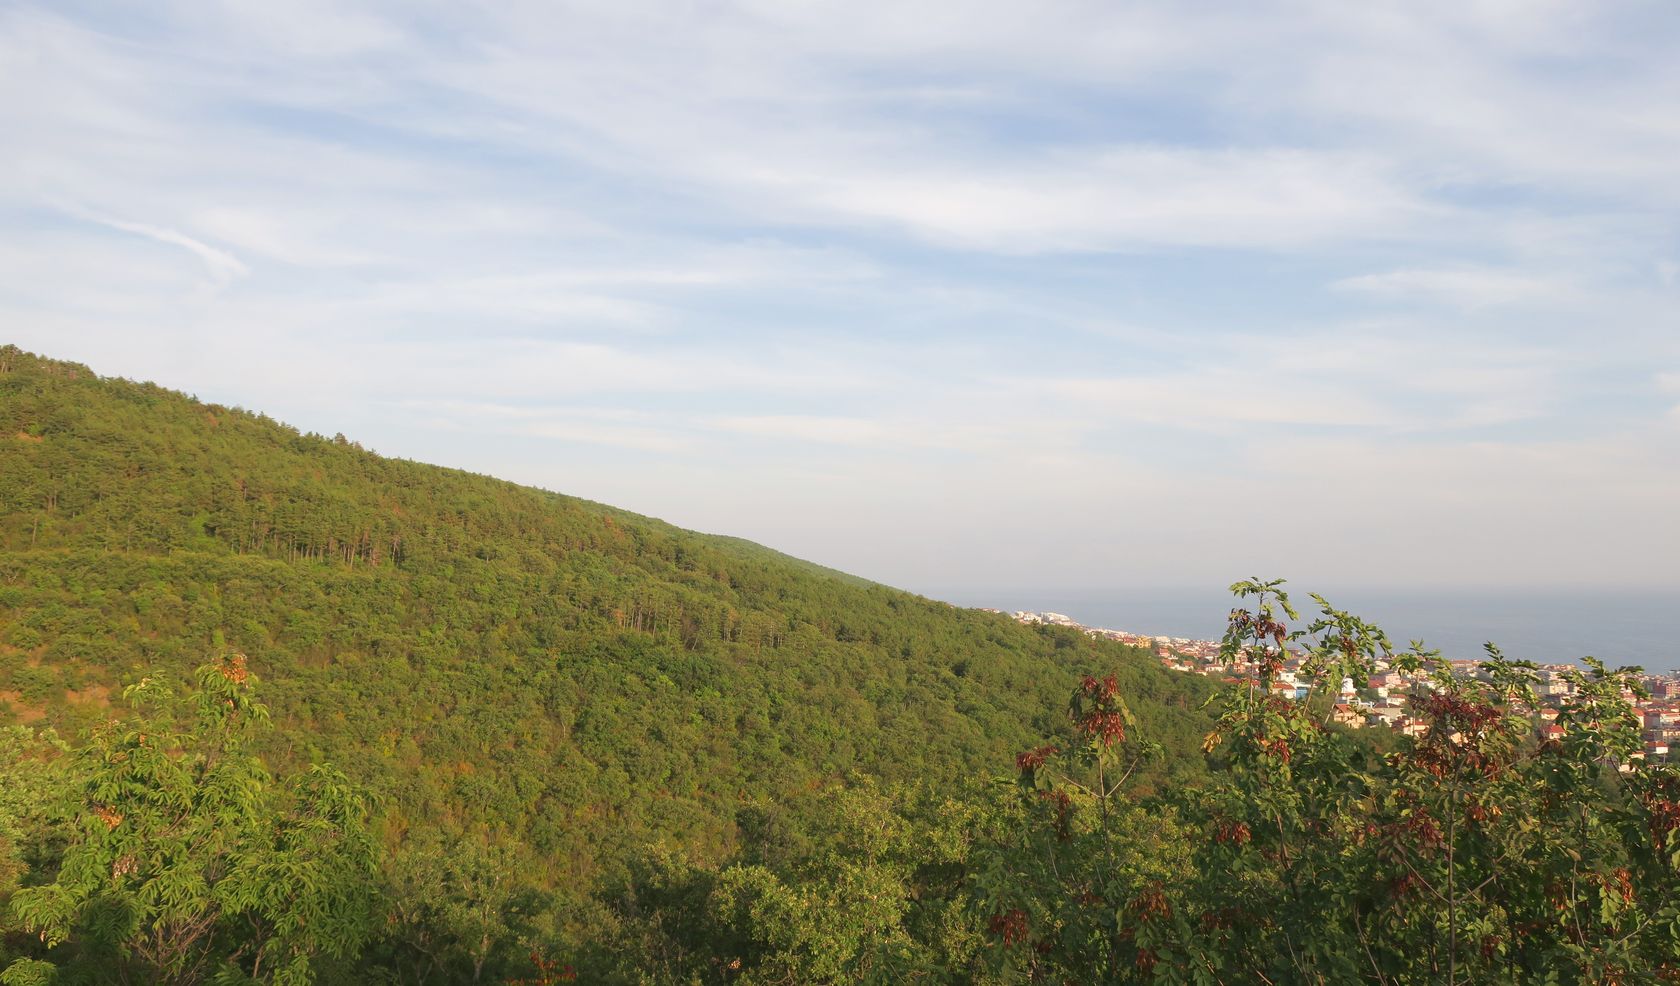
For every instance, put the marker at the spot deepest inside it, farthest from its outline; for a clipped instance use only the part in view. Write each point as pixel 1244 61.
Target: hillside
pixel 522 738
pixel 579 680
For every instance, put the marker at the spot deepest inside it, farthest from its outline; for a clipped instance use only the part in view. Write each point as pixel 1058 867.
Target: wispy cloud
pixel 221 265
pixel 1467 288
pixel 1058 281
pixel 1123 198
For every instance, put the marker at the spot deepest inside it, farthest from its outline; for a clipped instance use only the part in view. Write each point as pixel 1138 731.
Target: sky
pixel 953 295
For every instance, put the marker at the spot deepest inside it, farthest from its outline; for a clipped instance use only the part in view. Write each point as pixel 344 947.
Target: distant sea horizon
pixel 1545 625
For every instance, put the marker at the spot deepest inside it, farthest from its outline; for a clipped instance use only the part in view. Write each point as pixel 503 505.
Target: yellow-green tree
pixel 188 860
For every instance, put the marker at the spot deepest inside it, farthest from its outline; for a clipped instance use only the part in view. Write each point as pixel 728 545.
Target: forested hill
pixel 489 657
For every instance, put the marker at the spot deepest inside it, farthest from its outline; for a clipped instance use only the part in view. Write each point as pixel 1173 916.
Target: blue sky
pixel 952 295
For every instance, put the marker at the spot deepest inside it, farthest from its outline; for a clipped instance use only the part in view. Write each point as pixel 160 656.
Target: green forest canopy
pixel 447 729
pixel 487 657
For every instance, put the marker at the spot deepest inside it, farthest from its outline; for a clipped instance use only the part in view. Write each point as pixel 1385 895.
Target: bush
pixel 1477 853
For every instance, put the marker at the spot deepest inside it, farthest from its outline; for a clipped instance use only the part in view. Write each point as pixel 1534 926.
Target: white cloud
pixel 864 432
pixel 611 435
pixel 1226 400
pixel 221 265
pixel 947 431
pixel 1123 198
pixel 773 105
pixel 308 29
pixel 292 237
pixel 1388 378
pixel 1465 288
pixel 939 272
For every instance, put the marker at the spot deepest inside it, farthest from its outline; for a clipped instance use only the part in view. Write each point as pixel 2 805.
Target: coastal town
pixel 1383 701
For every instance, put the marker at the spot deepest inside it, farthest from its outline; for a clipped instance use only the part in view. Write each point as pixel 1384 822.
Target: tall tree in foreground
pixel 188 861
pixel 32 774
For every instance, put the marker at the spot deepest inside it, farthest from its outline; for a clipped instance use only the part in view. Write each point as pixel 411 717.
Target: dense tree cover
pixel 534 688
pixel 580 745
pixel 1477 854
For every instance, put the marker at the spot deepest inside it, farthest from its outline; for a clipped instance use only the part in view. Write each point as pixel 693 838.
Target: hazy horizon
pixel 932 294
pixel 1545 625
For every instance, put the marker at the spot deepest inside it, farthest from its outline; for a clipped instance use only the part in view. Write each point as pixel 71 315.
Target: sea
pixel 1547 626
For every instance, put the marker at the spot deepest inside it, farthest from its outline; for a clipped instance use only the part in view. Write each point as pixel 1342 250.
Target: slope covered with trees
pixel 555 684
pixel 444 729
pixel 164 852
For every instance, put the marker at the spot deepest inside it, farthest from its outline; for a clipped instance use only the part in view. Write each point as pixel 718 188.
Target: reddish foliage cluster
pixel 1665 818
pixel 1244 624
pixel 1620 883
pixel 1011 926
pixel 1034 759
pixel 1104 721
pixel 1235 833
pixel 1556 893
pixel 1664 807
pixel 1458 729
pixel 1110 727
pixel 233 669
pixel 1416 831
pixel 1146 959
pixel 1478 813
pixel 1433 760
pixel 1458 712
pixel 1149 905
pixel 1064 812
pixel 110 816
pixel 1102 691
pixel 1276 746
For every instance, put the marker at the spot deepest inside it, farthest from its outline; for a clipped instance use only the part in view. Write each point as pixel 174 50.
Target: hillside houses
pixel 1384 699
